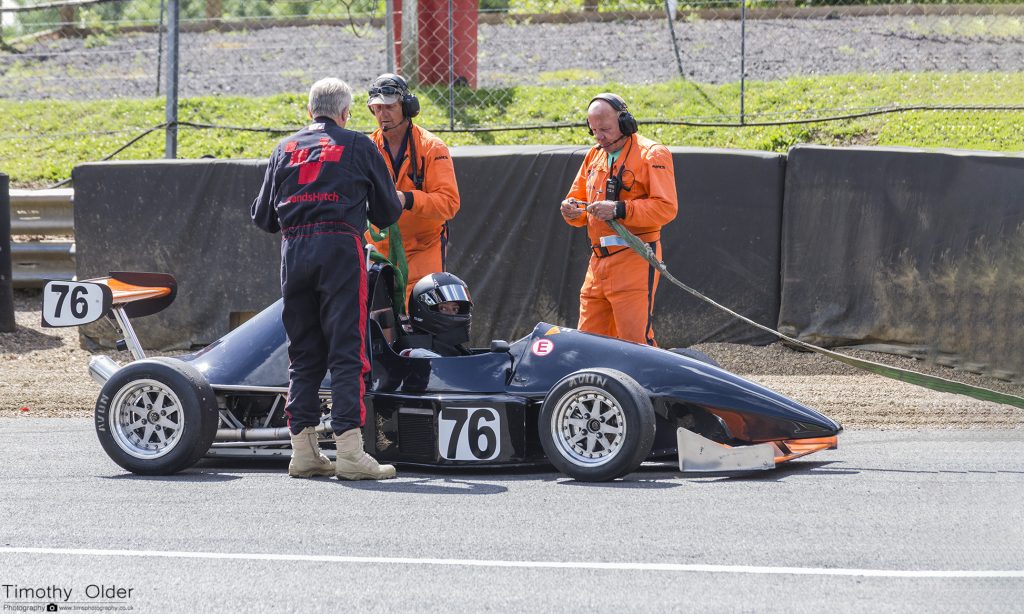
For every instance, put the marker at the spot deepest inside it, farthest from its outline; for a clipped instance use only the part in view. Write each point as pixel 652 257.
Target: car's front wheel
pixel 156 416
pixel 597 425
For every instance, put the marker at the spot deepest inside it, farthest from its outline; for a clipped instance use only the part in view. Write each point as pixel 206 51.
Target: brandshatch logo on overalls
pixel 310 170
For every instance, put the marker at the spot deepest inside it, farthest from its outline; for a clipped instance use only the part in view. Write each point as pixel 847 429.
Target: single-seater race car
pixel 593 406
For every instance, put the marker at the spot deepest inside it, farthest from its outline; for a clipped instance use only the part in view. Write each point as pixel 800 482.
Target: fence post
pixel 670 12
pixel 4 46
pixel 160 46
pixel 743 61
pixel 410 60
pixel 389 34
pixel 68 16
pixel 451 66
pixel 171 110
pixel 6 283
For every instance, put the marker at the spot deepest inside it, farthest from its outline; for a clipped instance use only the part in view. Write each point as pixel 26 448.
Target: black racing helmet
pixel 428 293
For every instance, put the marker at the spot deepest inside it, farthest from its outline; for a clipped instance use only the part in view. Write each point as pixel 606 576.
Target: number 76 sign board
pixel 73 303
pixel 469 433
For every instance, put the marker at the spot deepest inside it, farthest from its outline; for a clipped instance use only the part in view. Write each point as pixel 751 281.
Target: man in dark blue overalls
pixel 321 185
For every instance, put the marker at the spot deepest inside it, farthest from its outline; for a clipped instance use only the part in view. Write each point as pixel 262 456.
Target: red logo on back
pixel 310 170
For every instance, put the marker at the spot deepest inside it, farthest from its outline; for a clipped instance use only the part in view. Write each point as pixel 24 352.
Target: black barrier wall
pixel 6 281
pixel 878 246
pixel 908 248
pixel 189 218
pixel 523 263
pixel 724 244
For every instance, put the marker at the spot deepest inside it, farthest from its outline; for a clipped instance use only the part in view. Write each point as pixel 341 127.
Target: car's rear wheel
pixel 597 425
pixel 156 416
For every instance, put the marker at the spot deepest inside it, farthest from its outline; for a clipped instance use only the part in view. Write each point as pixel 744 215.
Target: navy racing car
pixel 593 406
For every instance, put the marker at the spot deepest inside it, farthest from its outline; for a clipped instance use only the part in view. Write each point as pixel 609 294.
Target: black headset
pixel 410 103
pixel 627 123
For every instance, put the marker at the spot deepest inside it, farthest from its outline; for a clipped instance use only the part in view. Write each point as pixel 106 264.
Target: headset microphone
pixel 624 136
pixel 612 144
pixel 404 121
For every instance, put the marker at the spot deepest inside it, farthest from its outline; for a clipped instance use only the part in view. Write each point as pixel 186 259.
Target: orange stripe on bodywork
pixel 127 293
pixel 795 448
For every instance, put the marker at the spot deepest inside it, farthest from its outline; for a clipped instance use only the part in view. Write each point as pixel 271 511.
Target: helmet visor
pixel 442 294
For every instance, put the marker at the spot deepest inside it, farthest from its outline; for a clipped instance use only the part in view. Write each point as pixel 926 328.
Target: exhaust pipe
pixel 265 434
pixel 101 368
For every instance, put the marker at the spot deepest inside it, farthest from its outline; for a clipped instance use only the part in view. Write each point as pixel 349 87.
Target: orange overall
pixel 617 297
pixel 433 203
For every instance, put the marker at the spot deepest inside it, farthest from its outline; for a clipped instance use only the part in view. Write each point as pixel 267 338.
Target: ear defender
pixel 410 103
pixel 627 123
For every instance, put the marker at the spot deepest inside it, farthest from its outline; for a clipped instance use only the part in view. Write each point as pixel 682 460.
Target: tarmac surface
pixel 892 521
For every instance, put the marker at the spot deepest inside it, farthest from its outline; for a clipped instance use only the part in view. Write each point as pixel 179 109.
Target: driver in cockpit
pixel 440 312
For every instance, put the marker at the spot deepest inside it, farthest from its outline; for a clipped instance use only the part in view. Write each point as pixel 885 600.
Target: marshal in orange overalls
pixel 434 202
pixel 617 297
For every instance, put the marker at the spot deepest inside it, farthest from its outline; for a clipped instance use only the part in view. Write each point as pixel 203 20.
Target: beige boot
pixel 307 461
pixel 353 463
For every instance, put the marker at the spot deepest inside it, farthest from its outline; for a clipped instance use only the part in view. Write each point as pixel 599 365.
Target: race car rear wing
pixel 122 294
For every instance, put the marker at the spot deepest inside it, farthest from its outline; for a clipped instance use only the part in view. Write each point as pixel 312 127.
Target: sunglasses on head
pixel 386 90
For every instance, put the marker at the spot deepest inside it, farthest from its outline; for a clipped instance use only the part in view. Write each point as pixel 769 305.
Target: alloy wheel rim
pixel 147 419
pixel 589 426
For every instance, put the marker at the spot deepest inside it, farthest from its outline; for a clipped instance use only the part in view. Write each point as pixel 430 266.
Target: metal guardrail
pixel 40 219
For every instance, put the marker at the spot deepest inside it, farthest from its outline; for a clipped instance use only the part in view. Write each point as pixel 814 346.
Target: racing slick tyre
pixel 696 355
pixel 156 416
pixel 596 425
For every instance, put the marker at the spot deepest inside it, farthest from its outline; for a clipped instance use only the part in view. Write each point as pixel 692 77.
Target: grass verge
pixel 41 141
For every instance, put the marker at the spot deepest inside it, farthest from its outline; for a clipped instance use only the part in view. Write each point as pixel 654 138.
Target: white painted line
pixel 387 560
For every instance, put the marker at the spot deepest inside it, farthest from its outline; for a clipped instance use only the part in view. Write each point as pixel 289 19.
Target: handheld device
pixel 613 186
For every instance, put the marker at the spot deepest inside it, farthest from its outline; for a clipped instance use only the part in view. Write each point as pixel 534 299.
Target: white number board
pixel 469 433
pixel 73 303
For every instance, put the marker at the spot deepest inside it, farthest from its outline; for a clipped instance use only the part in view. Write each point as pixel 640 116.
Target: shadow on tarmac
pixel 480 481
pixel 198 477
pixel 778 474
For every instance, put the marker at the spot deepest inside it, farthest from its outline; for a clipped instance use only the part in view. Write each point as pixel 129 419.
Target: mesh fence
pixel 473 59
pixel 117 48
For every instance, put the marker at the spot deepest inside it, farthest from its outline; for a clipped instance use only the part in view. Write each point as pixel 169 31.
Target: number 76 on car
pixel 74 303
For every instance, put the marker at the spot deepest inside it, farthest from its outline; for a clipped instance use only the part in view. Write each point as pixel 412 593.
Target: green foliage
pixel 490 6
pixel 110 15
pixel 980 27
pixel 568 76
pixel 567 6
pixel 41 141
